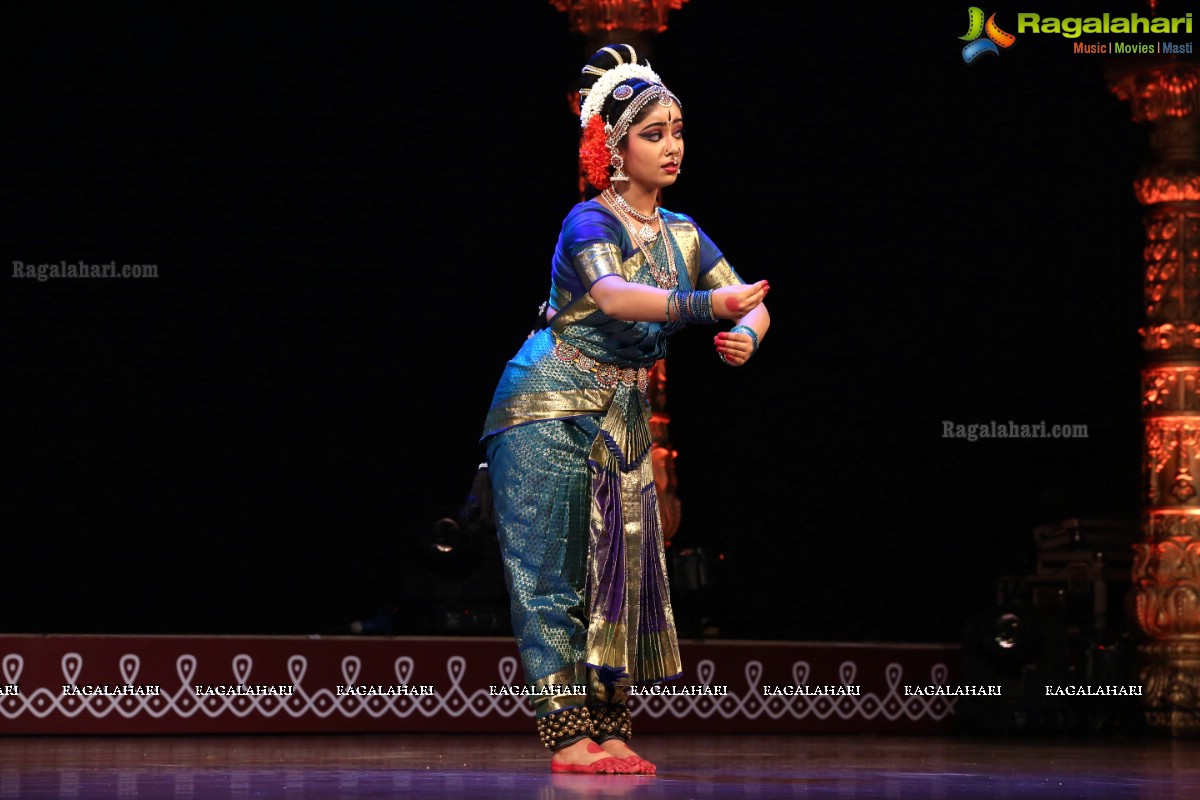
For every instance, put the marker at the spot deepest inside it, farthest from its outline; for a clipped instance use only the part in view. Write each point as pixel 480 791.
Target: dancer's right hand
pixel 735 302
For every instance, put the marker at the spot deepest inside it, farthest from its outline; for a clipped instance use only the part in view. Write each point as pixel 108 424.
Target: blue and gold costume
pixel 568 449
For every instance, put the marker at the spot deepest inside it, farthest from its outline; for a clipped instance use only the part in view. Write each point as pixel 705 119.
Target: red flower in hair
pixel 594 156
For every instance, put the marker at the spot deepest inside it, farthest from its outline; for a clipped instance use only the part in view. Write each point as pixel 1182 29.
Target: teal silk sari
pixel 568 446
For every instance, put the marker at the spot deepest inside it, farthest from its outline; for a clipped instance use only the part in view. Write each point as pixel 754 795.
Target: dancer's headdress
pixel 615 86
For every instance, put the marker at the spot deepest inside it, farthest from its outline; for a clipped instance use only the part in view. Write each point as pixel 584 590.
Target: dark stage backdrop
pixel 352 208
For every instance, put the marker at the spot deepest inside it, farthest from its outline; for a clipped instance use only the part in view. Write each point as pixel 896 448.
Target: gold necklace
pixel 666 279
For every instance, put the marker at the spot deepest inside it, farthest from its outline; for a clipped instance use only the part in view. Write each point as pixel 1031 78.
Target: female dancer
pixel 567 434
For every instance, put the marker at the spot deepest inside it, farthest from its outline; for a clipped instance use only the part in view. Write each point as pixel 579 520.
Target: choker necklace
pixel 630 210
pixel 621 204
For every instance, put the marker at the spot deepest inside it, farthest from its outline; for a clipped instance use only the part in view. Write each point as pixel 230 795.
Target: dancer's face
pixel 653 147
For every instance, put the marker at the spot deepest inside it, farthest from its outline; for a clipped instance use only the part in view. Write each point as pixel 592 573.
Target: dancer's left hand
pixel 734 349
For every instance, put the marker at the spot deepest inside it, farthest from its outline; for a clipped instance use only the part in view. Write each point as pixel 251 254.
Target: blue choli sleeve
pixel 709 254
pixel 589 248
pixel 715 271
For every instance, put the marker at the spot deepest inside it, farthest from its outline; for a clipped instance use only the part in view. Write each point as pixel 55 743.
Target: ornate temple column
pixel 617 21
pixel 1164 93
pixel 633 22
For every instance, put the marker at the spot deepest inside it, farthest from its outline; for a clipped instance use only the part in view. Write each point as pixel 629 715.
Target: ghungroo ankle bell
pixel 611 722
pixel 566 727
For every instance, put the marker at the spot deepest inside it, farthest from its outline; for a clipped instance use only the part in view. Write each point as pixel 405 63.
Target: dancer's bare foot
pixel 618 749
pixel 587 756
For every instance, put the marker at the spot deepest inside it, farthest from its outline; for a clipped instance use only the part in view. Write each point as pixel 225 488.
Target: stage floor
pixel 514 766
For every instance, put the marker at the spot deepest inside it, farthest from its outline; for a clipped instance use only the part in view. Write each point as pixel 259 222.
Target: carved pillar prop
pixel 1164 93
pixel 632 22
pixel 617 21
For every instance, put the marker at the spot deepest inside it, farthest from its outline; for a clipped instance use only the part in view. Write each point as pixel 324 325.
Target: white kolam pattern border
pixel 744 701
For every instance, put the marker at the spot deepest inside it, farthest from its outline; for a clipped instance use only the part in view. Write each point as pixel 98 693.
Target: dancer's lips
pixel 672 166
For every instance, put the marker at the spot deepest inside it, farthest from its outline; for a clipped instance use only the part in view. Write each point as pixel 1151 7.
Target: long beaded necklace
pixel 665 278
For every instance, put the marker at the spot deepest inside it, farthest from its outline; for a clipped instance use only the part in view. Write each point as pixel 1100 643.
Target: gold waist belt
pixel 607 375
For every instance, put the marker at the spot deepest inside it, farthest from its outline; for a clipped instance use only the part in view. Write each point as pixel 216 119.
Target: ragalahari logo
pixel 976 27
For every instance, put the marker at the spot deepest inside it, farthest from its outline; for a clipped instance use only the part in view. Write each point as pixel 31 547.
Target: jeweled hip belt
pixel 607 375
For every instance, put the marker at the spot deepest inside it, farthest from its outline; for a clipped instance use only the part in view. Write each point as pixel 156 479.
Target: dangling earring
pixel 618 165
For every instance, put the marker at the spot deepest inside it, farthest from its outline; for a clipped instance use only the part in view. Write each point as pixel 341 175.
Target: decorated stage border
pixel 232 684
